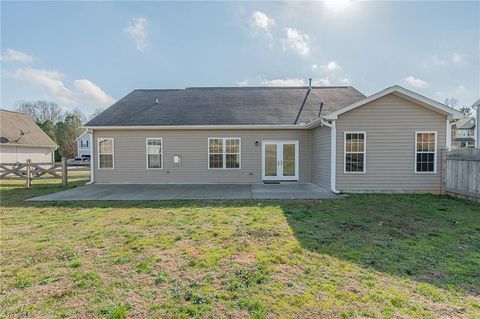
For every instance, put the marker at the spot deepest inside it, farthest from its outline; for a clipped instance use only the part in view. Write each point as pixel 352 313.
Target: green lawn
pixel 364 256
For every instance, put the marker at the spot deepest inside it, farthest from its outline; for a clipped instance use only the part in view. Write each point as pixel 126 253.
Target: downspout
pixel 92 161
pixel 448 135
pixel 476 130
pixel 333 158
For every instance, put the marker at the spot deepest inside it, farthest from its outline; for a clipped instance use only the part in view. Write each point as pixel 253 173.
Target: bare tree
pixel 79 114
pixel 453 102
pixel 41 111
pixel 466 110
pixel 95 113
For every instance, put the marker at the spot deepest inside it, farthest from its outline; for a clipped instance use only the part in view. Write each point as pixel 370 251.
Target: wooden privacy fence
pixel 461 173
pixel 35 171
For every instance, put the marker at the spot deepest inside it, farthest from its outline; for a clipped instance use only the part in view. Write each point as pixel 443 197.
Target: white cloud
pixel 262 21
pixel 330 66
pixel 457 58
pixel 138 31
pixel 284 82
pixel 242 83
pixel 12 55
pixel 417 83
pixel 436 60
pixel 84 92
pixel 337 5
pixel 296 41
pixel 345 81
pixel 322 82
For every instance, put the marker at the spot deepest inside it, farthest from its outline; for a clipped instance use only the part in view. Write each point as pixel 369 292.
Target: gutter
pixel 92 161
pixel 201 127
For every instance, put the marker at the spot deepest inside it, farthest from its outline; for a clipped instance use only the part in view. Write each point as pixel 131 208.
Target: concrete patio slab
pixel 184 191
pixel 290 191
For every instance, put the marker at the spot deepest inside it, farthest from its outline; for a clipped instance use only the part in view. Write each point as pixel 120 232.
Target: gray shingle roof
pixel 12 124
pixel 224 106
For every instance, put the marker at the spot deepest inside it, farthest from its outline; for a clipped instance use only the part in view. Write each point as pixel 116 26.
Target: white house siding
pixel 83 151
pixel 321 156
pixel 191 145
pixel 390 123
pixel 13 154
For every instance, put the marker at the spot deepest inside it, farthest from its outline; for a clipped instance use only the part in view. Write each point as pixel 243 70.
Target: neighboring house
pixel 463 133
pixel 83 145
pixel 22 139
pixel 332 136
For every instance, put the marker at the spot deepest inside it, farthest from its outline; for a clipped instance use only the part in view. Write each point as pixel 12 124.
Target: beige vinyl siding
pixel 390 124
pixel 13 154
pixel 321 155
pixel 192 146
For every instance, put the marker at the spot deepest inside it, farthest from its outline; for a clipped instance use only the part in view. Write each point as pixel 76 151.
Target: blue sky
pixel 89 54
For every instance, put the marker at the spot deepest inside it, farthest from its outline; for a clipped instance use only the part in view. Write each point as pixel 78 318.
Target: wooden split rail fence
pixel 34 171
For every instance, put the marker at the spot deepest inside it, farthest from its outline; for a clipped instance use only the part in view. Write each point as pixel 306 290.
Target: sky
pixel 87 55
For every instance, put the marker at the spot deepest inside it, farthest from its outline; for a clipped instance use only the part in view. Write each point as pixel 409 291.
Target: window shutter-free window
pixel 154 152
pixel 105 153
pixel 355 152
pixel 425 152
pixel 224 153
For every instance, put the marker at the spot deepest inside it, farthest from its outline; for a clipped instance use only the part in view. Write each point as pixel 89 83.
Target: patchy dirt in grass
pixel 351 258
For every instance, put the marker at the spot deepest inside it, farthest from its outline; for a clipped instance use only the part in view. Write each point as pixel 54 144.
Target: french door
pixel 280 160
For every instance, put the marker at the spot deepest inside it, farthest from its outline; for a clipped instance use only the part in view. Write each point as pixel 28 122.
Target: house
pixel 22 139
pixel 332 136
pixel 463 133
pixel 83 145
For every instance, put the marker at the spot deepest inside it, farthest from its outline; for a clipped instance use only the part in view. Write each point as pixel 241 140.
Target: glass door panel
pixel 271 160
pixel 289 160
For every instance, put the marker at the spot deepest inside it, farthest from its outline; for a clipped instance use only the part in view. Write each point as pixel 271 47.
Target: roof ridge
pixel 250 87
pixel 4 110
pixel 270 87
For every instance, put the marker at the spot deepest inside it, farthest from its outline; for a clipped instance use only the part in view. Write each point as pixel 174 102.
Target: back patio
pixel 186 191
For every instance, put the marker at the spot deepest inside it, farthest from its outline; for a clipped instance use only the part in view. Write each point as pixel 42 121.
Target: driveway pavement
pixel 181 191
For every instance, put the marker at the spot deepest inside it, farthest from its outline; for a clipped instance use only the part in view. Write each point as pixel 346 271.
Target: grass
pixel 364 256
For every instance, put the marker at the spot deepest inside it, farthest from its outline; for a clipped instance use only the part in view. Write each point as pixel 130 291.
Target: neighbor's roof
pixel 465 123
pixel 18 129
pixel 224 106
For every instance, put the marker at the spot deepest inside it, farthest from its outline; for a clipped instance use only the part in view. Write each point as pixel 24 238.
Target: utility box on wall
pixel 177 159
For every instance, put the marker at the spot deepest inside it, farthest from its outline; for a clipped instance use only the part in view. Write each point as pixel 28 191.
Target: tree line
pixel 61 126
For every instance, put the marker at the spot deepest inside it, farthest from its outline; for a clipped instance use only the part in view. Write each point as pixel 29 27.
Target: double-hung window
pixel 224 152
pixel 105 153
pixel 425 152
pixel 154 153
pixel 355 157
pixel 83 143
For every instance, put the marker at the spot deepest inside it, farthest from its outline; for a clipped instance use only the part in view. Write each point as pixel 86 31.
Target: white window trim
pixel 225 153
pixel 434 153
pixel 113 153
pixel 146 152
pixel 364 152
